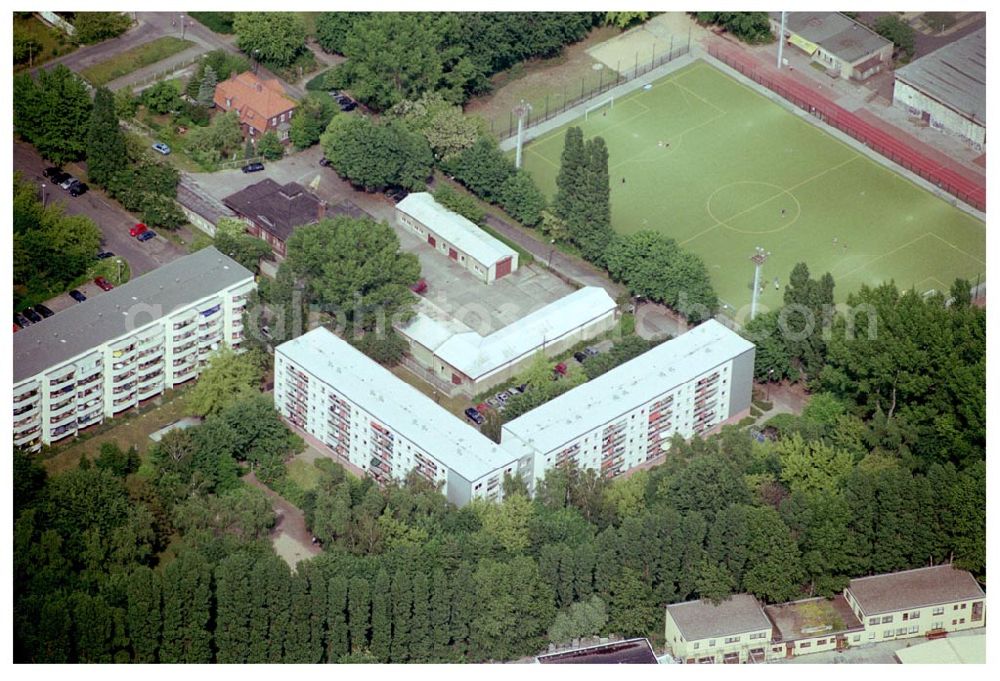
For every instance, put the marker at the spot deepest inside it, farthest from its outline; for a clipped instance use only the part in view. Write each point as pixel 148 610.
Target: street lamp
pixel 770 374
pixel 551 251
pixel 182 27
pixel 45 195
pixel 119 261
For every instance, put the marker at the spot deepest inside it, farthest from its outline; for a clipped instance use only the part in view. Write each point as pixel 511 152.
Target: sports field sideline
pixel 722 169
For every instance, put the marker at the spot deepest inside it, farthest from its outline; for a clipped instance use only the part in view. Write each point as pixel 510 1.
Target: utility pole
pixel 521 111
pixel 182 27
pixel 781 38
pixel 758 259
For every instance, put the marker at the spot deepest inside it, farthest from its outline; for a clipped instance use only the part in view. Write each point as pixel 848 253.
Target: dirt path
pixel 291 539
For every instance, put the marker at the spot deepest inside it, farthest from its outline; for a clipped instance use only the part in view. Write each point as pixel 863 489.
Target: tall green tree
pixel 276 38
pixel 440 616
pixel 359 608
pixel 402 617
pixel 228 378
pixel 420 625
pixel 187 610
pixel 105 143
pixel 375 155
pixel 337 633
pixel 234 607
pixel 53 113
pixel 144 598
pixel 206 87
pixel 381 616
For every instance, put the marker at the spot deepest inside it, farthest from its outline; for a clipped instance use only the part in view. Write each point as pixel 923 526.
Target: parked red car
pixel 103 283
pixel 138 229
pixel 420 286
pixel 560 369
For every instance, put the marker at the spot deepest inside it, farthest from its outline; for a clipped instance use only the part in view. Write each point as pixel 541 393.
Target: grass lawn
pixel 130 429
pixel 722 169
pixel 126 62
pixel 303 473
pixel 53 41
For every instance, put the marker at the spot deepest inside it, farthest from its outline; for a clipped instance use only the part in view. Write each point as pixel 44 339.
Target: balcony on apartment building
pixel 29 409
pixel 27 436
pixel 62 431
pixel 184 373
pixel 61 380
pixel 26 392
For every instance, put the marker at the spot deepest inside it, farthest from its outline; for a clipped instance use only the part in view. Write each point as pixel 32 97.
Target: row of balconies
pixel 23 437
pixel 20 423
pixel 30 395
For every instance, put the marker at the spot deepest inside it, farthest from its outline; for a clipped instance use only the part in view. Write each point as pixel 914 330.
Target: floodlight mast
pixel 758 259
pixel 521 111
pixel 781 38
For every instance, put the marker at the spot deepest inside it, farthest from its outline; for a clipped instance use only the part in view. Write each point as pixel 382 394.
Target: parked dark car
pixel 473 415
pixel 590 352
pixel 44 311
pixel 78 188
pixel 58 177
pixel 346 103
pixel 580 357
pixel 32 315
pixel 253 167
pixel 324 161
pixel 104 255
pixel 77 296
pixel 52 171
pixel 21 320
pixel 397 194
pixel 146 236
pixel 521 388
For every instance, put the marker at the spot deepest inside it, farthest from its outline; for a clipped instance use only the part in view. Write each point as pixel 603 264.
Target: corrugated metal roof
pixel 955 75
pixel 396 404
pixel 627 386
pixel 120 311
pixel 460 232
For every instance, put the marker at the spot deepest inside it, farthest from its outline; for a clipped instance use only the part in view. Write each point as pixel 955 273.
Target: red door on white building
pixel 453 254
pixel 503 267
pixel 432 241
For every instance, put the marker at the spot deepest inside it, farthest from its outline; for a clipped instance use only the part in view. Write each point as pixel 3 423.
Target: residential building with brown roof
pixel 261 104
pixel 736 630
pixel 273 211
pixel 927 601
pixel 813 625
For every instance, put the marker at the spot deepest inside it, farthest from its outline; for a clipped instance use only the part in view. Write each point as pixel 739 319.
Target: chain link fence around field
pixel 849 123
pixel 590 87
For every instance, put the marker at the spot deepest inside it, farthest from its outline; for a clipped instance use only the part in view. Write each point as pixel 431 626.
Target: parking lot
pixel 484 308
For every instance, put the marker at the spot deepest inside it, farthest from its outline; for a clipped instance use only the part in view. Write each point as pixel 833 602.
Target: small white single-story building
pixel 472 363
pixel 456 237
pixel 837 42
pixel 947 88
pixel 731 632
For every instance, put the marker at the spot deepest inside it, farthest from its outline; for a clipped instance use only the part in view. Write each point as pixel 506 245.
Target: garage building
pixel 456 237
pixel 947 88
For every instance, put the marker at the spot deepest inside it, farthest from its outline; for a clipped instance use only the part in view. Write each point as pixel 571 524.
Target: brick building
pixel 262 104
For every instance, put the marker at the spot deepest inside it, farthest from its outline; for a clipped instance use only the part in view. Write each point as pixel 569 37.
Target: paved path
pixel 289 534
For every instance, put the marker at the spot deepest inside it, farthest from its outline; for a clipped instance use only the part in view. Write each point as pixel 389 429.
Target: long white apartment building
pixel 98 358
pixel 364 415
pixel 690 385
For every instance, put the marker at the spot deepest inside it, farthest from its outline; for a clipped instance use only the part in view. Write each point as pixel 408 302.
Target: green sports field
pixel 722 169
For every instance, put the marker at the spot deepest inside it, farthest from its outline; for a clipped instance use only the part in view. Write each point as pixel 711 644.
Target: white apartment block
pixel 923 602
pixel 113 351
pixel 365 416
pixel 690 385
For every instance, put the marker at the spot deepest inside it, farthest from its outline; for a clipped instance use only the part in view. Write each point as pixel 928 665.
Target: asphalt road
pixel 113 221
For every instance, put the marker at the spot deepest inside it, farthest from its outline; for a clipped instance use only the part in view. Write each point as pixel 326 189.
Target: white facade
pixel 95 371
pixel 472 363
pixel 626 417
pixel 456 237
pixel 365 415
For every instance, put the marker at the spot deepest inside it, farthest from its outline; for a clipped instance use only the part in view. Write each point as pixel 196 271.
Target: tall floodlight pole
pixel 781 38
pixel 521 111
pixel 758 259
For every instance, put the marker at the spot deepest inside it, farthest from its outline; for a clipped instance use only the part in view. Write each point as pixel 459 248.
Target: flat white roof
pixel 627 386
pixel 478 356
pixel 951 650
pixel 397 404
pixel 460 232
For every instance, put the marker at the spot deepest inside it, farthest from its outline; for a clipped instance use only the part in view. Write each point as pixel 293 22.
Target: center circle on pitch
pixel 753 207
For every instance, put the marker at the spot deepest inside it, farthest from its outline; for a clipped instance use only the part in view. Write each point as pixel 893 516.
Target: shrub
pixel 462 204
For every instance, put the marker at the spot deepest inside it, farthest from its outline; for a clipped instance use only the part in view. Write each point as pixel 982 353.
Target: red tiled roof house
pixel 261 104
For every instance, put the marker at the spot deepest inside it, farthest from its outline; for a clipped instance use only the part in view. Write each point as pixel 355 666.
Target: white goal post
pixel 609 102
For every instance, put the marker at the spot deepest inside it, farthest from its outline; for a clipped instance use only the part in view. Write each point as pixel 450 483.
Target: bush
pixel 270 146
pixel 25 48
pixel 220 22
pixel 386 349
pixel 161 98
pixel 462 204
pixel 93 27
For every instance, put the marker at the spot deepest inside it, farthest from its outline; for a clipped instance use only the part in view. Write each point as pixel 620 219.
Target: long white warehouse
pixel 690 385
pixel 367 417
pixel 472 363
pixel 113 351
